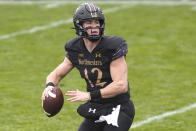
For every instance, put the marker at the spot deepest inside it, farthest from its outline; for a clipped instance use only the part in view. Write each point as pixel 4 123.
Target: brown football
pixel 54 102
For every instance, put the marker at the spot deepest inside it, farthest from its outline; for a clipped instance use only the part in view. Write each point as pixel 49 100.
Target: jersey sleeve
pixel 120 49
pixel 71 50
pixel 67 51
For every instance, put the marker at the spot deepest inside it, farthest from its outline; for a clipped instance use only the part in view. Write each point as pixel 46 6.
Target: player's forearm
pixel 53 77
pixel 63 69
pixel 115 88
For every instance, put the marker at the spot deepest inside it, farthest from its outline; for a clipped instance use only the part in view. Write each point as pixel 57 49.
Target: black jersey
pixel 94 66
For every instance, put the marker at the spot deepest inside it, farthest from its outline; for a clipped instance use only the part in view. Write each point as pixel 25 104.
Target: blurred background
pixel 161 61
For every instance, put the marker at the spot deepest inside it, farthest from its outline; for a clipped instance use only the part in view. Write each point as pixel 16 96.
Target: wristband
pixel 49 84
pixel 95 95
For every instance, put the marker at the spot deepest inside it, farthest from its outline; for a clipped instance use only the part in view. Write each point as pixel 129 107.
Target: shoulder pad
pixel 113 42
pixel 73 44
pixel 116 45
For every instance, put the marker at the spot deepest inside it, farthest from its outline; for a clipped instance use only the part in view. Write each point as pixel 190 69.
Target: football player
pixel 101 62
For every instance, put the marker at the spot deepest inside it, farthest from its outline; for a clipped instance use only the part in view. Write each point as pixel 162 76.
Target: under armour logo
pixel 98 55
pixel 93 110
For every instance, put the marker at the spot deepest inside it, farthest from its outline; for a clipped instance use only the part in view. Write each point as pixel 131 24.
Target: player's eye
pixel 88 22
pixel 97 22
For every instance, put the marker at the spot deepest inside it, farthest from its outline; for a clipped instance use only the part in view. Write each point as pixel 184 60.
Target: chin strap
pixel 93 38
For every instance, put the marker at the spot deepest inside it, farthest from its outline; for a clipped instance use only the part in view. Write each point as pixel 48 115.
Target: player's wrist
pixel 50 84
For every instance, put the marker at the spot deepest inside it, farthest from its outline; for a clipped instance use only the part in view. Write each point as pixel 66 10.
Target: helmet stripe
pixel 89 8
pixel 95 11
pixel 92 10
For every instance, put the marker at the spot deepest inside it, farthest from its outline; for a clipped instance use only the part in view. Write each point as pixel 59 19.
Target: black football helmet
pixel 88 11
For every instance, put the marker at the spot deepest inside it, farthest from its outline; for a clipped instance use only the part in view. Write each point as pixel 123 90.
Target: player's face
pixel 93 27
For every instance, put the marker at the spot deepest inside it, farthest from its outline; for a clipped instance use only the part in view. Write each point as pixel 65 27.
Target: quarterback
pixel 101 62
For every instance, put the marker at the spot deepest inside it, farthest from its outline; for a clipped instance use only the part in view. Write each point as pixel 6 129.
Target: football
pixel 54 102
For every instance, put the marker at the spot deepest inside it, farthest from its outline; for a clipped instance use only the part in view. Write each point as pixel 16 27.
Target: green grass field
pixel 161 64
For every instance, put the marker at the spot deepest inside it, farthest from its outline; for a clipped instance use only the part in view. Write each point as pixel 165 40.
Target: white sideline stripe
pixel 36 28
pixel 53 5
pixel 55 24
pixel 166 114
pixel 156 3
pixel 114 9
pixel 185 2
pixel 193 8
